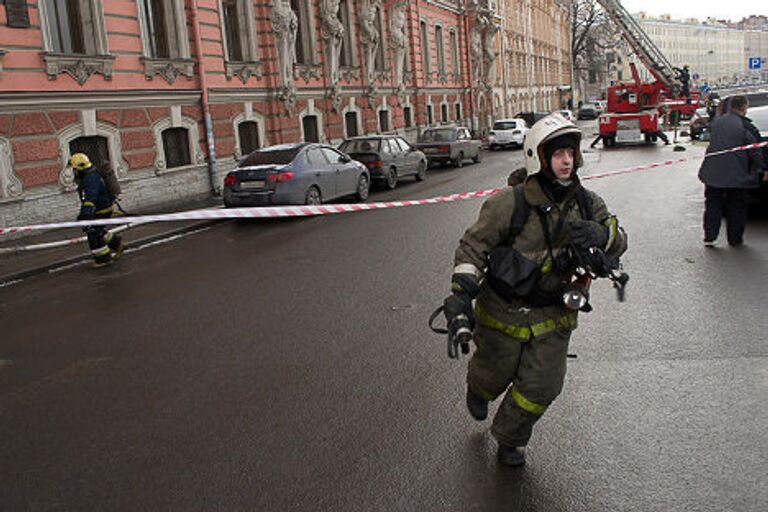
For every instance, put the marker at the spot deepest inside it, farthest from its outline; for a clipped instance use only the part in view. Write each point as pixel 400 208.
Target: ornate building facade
pixel 170 93
pixel 537 63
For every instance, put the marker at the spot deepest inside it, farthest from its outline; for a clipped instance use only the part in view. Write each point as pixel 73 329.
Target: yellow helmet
pixel 79 161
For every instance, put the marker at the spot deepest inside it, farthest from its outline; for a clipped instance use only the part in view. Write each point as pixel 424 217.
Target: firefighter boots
pixel 512 455
pixel 477 405
pixel 102 260
pixel 116 247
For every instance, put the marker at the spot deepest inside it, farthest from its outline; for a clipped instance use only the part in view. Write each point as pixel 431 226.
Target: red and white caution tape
pixel 270 212
pixel 267 212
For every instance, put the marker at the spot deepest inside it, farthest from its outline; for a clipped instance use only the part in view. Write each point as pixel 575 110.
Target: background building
pixel 712 50
pixel 170 93
pixel 537 63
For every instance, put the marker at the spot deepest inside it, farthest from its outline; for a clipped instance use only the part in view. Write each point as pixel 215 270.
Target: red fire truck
pixel 635 109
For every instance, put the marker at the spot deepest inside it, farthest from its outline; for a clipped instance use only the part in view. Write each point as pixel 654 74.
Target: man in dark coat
pixel 729 178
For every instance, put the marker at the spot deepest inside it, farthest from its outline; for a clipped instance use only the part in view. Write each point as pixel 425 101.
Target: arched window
pixel 176 147
pixel 425 49
pixel 310 128
pixel 454 53
pixel 248 131
pixel 440 49
pixel 305 53
pixel 350 124
pixel 74 38
pixel 383 121
pixel 165 41
pixel 380 63
pixel 96 147
pixel 347 57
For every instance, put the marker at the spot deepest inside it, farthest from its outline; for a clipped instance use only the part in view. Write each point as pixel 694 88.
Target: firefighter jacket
pixel 94 197
pixel 517 318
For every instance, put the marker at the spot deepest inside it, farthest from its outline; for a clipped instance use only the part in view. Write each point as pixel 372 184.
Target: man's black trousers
pixel 731 202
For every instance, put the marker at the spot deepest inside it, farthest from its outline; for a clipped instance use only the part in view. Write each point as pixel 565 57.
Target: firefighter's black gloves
pixel 465 288
pixel 586 234
pixel 457 304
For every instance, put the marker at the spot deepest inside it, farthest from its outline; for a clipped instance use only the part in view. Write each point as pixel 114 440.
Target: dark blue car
pixel 305 173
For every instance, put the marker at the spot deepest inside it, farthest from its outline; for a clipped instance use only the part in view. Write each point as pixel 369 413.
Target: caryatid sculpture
pixel 399 42
pixel 285 25
pixel 490 54
pixel 332 32
pixel 369 36
pixel 476 53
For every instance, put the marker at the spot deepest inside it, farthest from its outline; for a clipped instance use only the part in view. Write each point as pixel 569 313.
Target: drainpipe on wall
pixel 468 67
pixel 204 101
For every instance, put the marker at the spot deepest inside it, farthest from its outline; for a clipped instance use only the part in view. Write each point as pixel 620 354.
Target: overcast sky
pixel 701 9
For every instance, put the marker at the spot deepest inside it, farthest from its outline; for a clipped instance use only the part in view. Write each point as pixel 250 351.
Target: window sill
pixel 168 69
pixel 243 70
pixel 307 71
pixel 79 67
pixel 349 74
pixel 159 171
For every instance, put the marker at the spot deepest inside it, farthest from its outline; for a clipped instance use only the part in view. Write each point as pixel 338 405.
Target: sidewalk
pixel 16 263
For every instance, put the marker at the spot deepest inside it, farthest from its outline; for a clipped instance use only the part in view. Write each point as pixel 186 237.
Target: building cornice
pixel 34 101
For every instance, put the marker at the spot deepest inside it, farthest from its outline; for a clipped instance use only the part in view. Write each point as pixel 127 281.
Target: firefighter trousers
pixel 531 372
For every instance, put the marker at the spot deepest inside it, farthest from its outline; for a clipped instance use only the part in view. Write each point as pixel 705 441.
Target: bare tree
pixel 592 33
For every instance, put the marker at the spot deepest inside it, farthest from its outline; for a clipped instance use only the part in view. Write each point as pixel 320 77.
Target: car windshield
pixel 445 135
pixel 504 125
pixel 274 155
pixel 360 146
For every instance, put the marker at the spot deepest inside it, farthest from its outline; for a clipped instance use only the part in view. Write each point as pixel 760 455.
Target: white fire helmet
pixel 543 131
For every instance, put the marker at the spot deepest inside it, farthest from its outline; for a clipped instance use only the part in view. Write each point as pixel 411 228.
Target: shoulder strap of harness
pixel 519 215
pixel 523 209
pixel 585 203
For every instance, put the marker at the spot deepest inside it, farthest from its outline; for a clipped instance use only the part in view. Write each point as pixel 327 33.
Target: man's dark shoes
pixel 512 455
pixel 477 405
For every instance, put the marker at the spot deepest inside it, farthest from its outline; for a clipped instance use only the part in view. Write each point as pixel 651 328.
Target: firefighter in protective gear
pixel 522 341
pixel 95 203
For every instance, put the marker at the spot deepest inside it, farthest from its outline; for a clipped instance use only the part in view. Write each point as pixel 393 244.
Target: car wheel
pixel 363 187
pixel 477 158
pixel 421 171
pixel 313 197
pixel 459 162
pixel 391 181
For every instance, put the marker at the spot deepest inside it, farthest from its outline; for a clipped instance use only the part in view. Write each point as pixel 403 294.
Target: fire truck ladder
pixel 642 45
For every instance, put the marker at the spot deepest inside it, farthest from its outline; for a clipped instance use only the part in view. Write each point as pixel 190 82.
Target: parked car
pixel 507 133
pixel 388 158
pixel 295 174
pixel 601 106
pixel 759 116
pixel 531 117
pixel 566 114
pixel 449 144
pixel 587 111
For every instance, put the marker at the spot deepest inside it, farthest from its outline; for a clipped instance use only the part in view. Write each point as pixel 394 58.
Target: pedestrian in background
pixel 96 202
pixel 729 178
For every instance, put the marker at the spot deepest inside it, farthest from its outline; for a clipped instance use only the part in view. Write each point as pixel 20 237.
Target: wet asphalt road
pixel 287 365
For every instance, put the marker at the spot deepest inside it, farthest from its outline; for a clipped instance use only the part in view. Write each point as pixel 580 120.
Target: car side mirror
pixel 345 159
